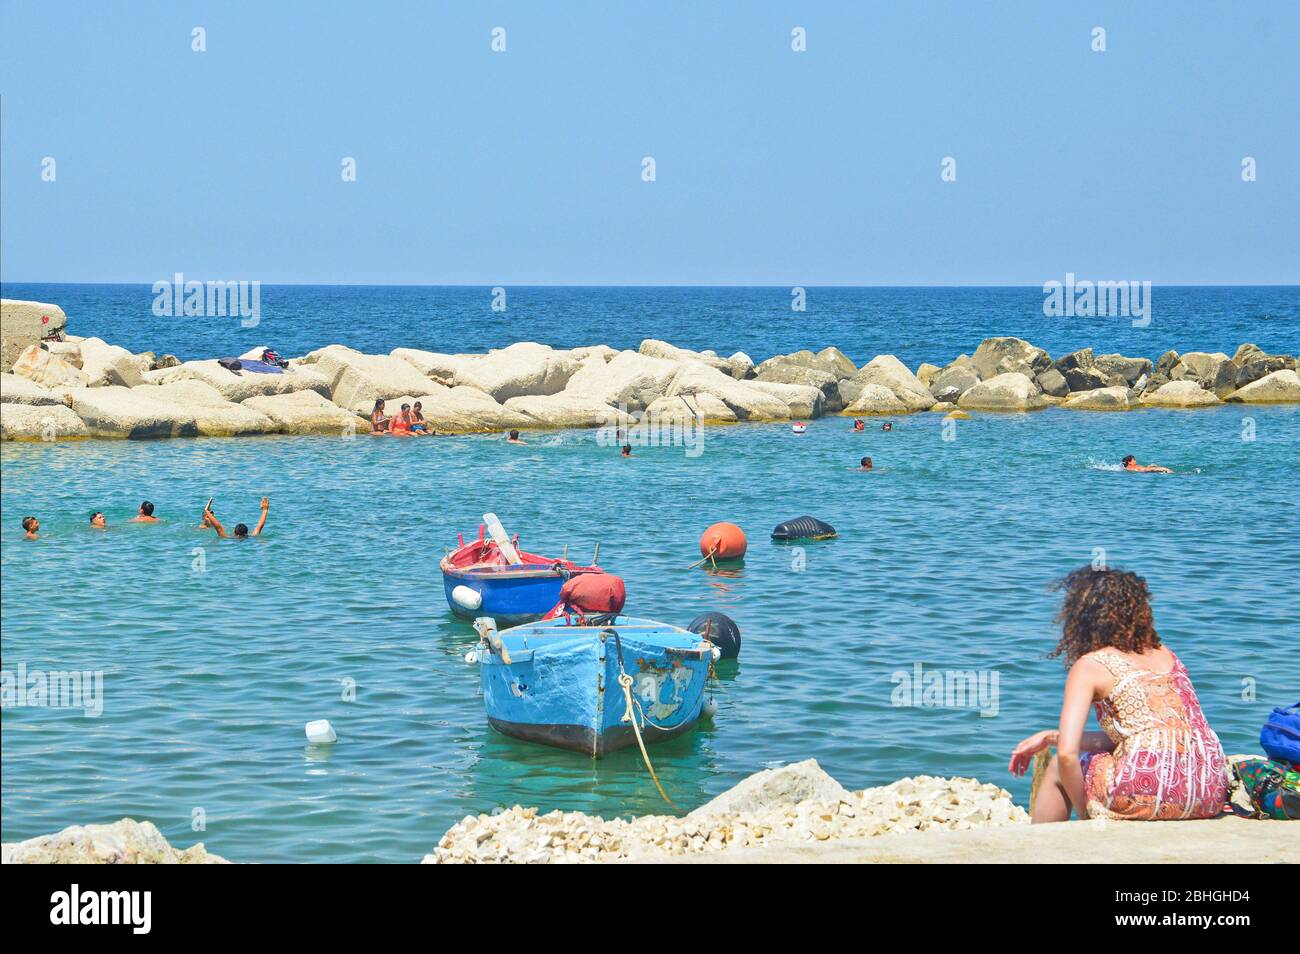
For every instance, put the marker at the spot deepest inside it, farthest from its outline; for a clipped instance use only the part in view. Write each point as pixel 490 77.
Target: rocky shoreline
pixel 56 386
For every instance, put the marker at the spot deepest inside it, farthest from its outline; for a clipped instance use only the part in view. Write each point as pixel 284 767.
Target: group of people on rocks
pixel 31 525
pixel 407 422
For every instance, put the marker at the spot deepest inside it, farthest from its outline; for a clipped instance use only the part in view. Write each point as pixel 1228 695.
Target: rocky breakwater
pixel 795 805
pixel 59 386
pixel 123 842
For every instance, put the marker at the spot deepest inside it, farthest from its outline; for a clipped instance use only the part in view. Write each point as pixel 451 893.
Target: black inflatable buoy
pixel 804 528
pixel 720 630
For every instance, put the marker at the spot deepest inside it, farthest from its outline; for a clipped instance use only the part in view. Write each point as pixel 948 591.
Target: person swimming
pixel 145 514
pixel 378 419
pixel 864 464
pixel 30 526
pixel 97 520
pixel 887 426
pixel 1130 463
pixel 419 426
pixel 241 529
pixel 514 438
pixel 859 424
pixel 626 451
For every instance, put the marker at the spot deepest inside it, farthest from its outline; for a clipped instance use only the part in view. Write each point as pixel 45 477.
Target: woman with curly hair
pixel 1155 758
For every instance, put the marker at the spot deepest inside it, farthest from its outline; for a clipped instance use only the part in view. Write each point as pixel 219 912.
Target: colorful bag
pixel 1280 736
pixel 1273 787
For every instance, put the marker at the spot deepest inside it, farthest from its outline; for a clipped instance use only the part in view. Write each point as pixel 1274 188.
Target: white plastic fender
pixel 467 597
pixel 320 732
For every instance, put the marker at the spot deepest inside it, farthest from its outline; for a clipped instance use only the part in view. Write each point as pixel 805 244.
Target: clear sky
pixel 773 166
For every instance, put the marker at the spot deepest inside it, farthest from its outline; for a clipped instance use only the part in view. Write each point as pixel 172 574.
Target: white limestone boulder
pixel 466 410
pixel 26 323
pixel 803 400
pixel 214 416
pixel 1101 399
pixel 124 842
pixel 876 399
pixel 996 356
pixel 521 369
pixel 115 411
pixel 887 371
pixel 749 403
pixel 1011 391
pixel 307 412
pixel 1280 387
pixel 238 388
pixel 565 410
pixel 629 379
pixel 109 365
pixel 682 409
pixel 355 378
pixel 1186 393
pixel 15 389
pixel 40 422
pixel 440 368
pixel 38 365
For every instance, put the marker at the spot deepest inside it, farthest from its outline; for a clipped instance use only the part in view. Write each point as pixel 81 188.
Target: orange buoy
pixel 723 541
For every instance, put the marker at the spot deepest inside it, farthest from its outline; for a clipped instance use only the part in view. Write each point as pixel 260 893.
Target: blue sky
pixel 773 167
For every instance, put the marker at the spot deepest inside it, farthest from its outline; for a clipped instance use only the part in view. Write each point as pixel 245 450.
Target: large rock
pixel 831 361
pixel 926 372
pixel 521 369
pixel 1052 382
pixel 564 410
pixel 803 400
pixel 629 379
pixel 1089 379
pixel 783 372
pixel 107 365
pixel 996 356
pixel 40 422
pixel 114 411
pixel 15 389
pixel 307 412
pixel 466 410
pixel 355 378
pixel 238 388
pixel 696 407
pixel 654 348
pixel 214 416
pixel 1186 393
pixel 125 842
pixel 1214 372
pixel 877 399
pixel 887 371
pixel 1102 399
pixel 952 382
pixel 26 323
pixel 1127 370
pixel 836 362
pixel 1256 365
pixel 69 351
pixel 440 368
pixel 749 403
pixel 1280 387
pixel 1075 360
pixel 41 366
pixel 783 787
pixel 1010 391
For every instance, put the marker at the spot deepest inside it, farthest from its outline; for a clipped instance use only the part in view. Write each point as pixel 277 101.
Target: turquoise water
pixel 943 559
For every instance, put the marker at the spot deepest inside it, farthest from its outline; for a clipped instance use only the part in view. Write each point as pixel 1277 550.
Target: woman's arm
pixel 1081 687
pixel 266 505
pixel 211 519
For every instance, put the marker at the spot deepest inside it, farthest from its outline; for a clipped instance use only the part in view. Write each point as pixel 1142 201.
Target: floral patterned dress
pixel 1167 762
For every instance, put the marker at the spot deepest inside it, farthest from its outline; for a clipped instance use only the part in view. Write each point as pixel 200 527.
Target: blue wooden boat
pixel 558 684
pixel 481 578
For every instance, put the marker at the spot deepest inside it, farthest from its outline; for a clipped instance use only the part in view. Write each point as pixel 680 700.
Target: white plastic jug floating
pixel 320 732
pixel 466 597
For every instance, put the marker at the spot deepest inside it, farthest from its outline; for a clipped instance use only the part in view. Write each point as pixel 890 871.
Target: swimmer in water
pixel 241 529
pixel 514 438
pixel 887 426
pixel 145 515
pixel 864 464
pixel 97 520
pixel 30 526
pixel 626 451
pixel 859 424
pixel 1131 464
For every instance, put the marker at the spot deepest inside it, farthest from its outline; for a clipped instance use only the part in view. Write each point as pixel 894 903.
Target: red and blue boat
pixel 490 576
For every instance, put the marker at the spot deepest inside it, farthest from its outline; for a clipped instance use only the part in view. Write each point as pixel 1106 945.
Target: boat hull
pixel 561 685
pixel 509 596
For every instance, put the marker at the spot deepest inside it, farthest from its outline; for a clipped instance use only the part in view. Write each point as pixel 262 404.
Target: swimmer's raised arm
pixel 210 519
pixel 261 522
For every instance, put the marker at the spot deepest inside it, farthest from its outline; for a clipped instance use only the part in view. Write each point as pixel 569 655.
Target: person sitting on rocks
pixel 241 529
pixel 145 514
pixel 514 438
pixel 400 424
pixel 1156 756
pixel 378 419
pixel 30 526
pixel 97 520
pixel 864 464
pixel 419 426
pixel 1131 464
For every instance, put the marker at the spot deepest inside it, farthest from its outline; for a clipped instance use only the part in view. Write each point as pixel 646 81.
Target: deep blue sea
pixel 214 654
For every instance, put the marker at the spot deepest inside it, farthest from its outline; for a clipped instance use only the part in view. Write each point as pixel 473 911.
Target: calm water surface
pixel 943 559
